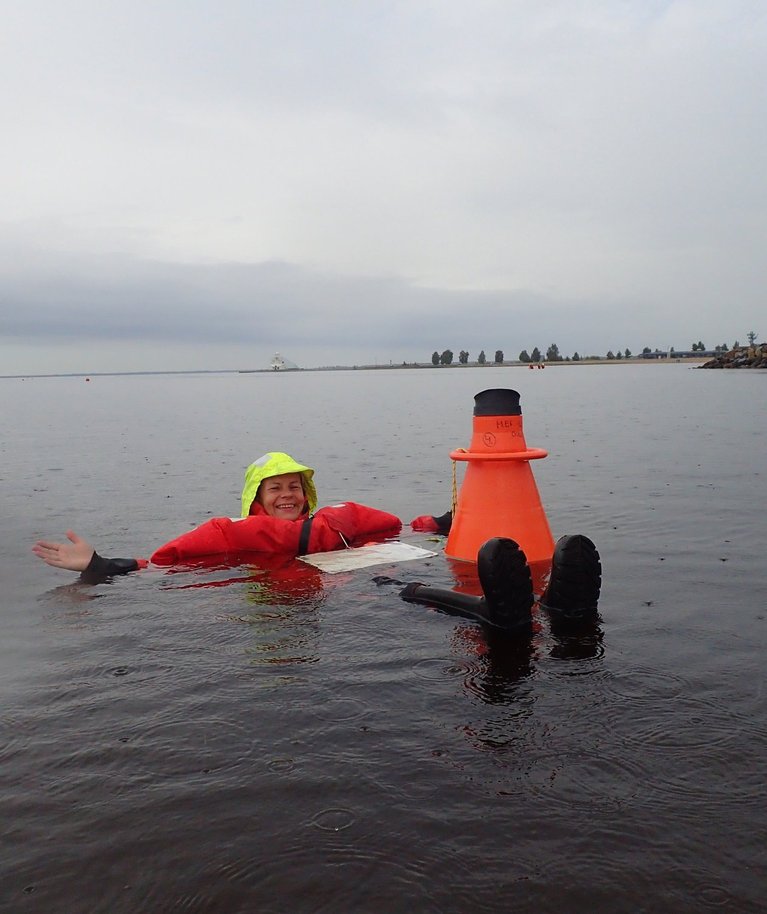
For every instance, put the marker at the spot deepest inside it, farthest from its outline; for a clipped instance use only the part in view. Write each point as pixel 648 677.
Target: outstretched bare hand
pixel 74 555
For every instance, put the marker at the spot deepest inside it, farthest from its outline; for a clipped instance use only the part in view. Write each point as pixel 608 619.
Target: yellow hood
pixel 275 463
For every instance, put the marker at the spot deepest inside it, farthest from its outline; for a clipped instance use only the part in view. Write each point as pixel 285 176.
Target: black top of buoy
pixel 498 401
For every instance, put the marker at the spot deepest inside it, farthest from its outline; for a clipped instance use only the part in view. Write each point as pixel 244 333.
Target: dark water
pixel 277 740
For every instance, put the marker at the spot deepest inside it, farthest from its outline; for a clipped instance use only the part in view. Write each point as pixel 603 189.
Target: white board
pixel 365 556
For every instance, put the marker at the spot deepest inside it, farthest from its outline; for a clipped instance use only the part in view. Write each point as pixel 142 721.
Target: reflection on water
pixel 279 579
pixel 501 663
pixel 286 596
pixel 579 640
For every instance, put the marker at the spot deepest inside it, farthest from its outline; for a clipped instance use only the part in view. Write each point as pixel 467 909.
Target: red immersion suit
pixel 330 528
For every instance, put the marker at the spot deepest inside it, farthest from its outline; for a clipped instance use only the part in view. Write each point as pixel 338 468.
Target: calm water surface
pixel 268 738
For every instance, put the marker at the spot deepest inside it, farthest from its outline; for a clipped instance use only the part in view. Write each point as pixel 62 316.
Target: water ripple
pixel 364 876
pixel 720 778
pixel 14 734
pixel 338 709
pixel 684 724
pixel 644 684
pixel 714 896
pixel 438 668
pixel 192 747
pixel 587 782
pixel 333 819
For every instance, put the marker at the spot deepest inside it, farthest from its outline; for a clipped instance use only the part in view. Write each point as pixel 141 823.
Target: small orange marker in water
pixel 498 496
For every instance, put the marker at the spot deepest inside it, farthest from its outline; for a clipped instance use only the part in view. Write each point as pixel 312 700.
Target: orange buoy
pixel 498 496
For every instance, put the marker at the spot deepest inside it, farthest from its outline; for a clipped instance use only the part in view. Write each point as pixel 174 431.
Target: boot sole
pixel 506 583
pixel 576 577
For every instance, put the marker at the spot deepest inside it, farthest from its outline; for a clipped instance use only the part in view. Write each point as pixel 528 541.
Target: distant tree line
pixel 553 354
pixel 446 357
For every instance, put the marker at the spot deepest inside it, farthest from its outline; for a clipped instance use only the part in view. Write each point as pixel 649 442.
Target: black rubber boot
pixel 576 578
pixel 506 583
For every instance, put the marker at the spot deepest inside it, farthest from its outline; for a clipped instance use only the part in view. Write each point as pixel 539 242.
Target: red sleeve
pixel 353 522
pixel 425 523
pixel 258 533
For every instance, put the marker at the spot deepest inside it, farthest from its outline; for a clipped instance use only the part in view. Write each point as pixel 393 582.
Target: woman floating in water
pixel 279 515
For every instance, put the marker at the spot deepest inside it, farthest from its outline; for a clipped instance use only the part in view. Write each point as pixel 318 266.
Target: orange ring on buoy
pixel 532 453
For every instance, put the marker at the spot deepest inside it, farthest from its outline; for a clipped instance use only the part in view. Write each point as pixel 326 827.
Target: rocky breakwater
pixel 742 357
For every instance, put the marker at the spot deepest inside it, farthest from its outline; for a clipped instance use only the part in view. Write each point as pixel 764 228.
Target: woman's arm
pixel 427 523
pixel 79 555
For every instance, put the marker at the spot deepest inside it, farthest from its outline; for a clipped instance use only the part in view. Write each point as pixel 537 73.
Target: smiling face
pixel 282 496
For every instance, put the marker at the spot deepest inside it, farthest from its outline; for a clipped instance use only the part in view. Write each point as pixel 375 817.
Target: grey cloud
pixel 267 304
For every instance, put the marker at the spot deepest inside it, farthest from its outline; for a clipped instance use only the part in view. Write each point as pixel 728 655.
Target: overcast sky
pixel 190 184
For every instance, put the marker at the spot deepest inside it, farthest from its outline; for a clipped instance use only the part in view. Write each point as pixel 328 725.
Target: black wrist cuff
pixel 444 522
pixel 99 568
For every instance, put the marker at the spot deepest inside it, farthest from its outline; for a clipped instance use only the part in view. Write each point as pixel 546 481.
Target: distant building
pixel 280 364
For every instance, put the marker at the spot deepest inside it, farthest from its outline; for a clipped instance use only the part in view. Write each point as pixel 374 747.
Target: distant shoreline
pixel 633 360
pixel 426 366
